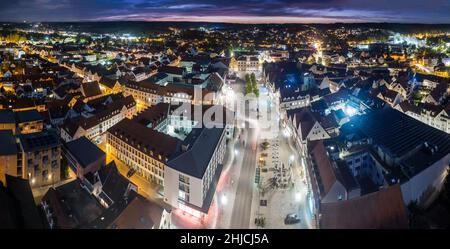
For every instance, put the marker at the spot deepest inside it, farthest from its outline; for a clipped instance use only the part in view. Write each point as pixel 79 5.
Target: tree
pixel 254 85
pixel 248 84
pixel 319 60
pixel 256 91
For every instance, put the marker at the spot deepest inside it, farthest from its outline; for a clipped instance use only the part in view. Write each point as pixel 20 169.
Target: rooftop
pixel 139 214
pixel 72 205
pixel 199 146
pixel 145 139
pixel 378 210
pixel 17 206
pixel 402 137
pixel 28 116
pixel 7 116
pixel 84 151
pixel 39 140
pixel 8 144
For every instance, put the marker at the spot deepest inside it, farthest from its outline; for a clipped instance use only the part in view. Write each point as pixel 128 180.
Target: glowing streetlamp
pixel 224 200
pixel 298 197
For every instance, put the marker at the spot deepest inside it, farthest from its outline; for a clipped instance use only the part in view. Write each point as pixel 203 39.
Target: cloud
pixel 190 6
pixel 209 10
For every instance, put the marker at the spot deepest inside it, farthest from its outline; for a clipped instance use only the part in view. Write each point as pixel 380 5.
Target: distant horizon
pixel 225 22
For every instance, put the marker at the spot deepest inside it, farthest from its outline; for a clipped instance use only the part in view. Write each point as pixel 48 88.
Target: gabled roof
pixel 139 214
pixel 323 166
pixel 114 184
pixel 90 89
pixel 146 139
pixel 378 210
pixel 304 118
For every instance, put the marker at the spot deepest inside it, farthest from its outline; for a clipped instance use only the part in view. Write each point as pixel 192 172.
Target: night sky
pixel 250 11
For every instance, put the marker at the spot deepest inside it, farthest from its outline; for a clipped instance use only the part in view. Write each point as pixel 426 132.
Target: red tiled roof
pixel 382 209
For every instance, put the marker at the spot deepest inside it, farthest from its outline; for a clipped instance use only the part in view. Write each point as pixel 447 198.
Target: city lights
pixel 189 115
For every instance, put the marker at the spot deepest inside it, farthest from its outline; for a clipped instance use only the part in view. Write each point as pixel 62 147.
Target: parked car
pixel 131 173
pixel 291 219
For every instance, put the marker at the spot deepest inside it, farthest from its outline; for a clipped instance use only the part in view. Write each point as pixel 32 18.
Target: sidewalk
pixel 281 201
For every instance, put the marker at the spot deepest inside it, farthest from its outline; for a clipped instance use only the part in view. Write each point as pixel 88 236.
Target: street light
pixel 286 132
pixel 236 152
pixel 224 200
pixel 298 197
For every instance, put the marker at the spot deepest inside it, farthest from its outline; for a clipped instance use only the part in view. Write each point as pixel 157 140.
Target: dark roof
pixel 319 105
pixel 399 135
pixel 200 145
pixel 72 206
pixel 39 140
pixel 91 89
pixel 172 70
pixel 114 184
pixel 7 116
pixel 345 176
pixel 139 214
pixel 8 144
pixel 28 116
pixel 323 167
pixel 145 139
pixel 381 209
pixel 303 117
pixel 24 213
pixel 153 115
pixel 84 151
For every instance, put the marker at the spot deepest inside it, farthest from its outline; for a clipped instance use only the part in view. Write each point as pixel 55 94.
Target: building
pixel 7 120
pixel 104 199
pixel 83 156
pixel 70 206
pixel 97 116
pixel 23 121
pixel 142 214
pixel 331 180
pixel 191 178
pixel 166 147
pixel 40 158
pixel 149 92
pixel 8 155
pixel 308 126
pixel 248 64
pixel 406 150
pixel 433 115
pixel 383 209
pixel 142 148
pixel 109 186
pixel 17 207
pixel 29 121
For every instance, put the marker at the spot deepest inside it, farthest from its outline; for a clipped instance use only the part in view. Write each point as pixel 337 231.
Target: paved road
pixel 244 193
